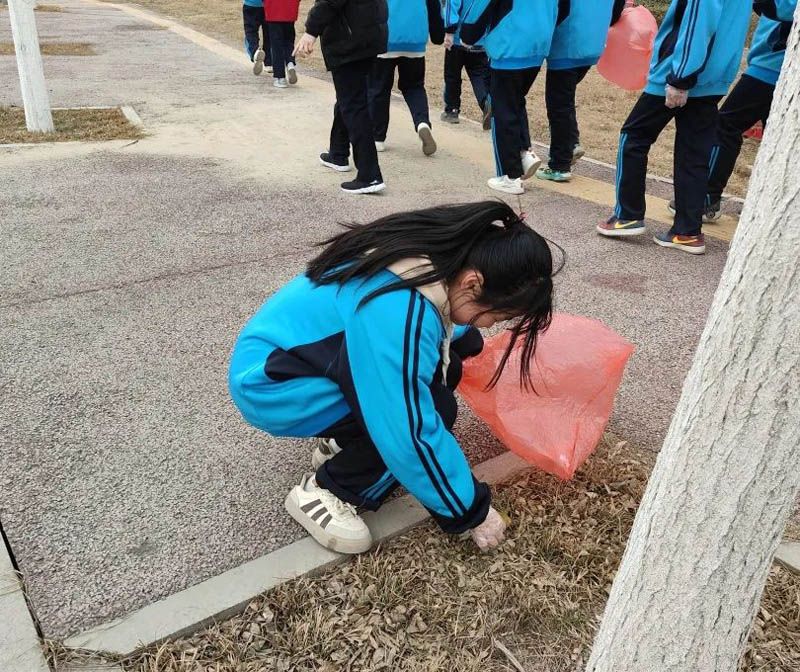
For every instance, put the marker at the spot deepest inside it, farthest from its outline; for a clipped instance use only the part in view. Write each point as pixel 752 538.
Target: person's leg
pixel 411 82
pixel 575 133
pixel 381 80
pixel 292 34
pixel 276 41
pixel 350 81
pixel 287 33
pixel 525 80
pixel 265 45
pixel 452 79
pixel 477 66
pixel 251 17
pixel 695 136
pixel 747 103
pixel 560 91
pixel 641 129
pixel 507 126
pixel 339 148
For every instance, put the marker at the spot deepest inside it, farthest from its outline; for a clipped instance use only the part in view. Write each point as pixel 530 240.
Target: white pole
pixel 38 117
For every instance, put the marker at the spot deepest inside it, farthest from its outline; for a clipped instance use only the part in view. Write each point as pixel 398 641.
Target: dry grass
pixel 602 107
pixel 77 124
pixel 428 602
pixel 54 49
pixel 48 8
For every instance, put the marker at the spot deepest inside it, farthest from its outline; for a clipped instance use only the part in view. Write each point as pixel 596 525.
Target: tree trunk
pixel 38 117
pixel 725 482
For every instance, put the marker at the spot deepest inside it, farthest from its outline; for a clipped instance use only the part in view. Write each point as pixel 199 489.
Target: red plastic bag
pixel 626 59
pixel 576 373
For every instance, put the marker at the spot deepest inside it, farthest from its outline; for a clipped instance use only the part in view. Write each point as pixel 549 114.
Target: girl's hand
pixel 305 46
pixel 448 41
pixel 490 532
pixel 675 97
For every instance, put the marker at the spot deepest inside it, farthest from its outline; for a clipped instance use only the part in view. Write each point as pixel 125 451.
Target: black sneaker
pixel 359 187
pixel 450 116
pixel 329 162
pixel 487 115
pixel 711 213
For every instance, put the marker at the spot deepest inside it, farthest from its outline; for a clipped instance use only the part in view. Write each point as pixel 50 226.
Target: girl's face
pixel 464 309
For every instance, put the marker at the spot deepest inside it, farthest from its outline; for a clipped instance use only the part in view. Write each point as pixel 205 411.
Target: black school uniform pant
pixel 281 39
pixel 510 132
pixel 696 125
pixel 560 88
pixel 352 124
pixel 476 63
pixel 749 102
pixel 410 81
pixel 254 20
pixel 358 474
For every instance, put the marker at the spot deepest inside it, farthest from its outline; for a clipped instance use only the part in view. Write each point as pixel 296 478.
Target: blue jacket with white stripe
pixel 408 25
pixel 516 33
pixel 699 46
pixel 313 355
pixel 580 36
pixel 768 48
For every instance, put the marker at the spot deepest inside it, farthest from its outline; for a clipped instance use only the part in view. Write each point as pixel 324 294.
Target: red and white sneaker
pixel 690 244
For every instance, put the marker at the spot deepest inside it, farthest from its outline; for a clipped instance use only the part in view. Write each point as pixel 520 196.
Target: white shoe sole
pixel 514 191
pixel 577 156
pixel 323 537
pixel 682 248
pixel 280 86
pixel 291 75
pixel 621 233
pixel 428 143
pixel 371 189
pixel 336 166
pixel 258 64
pixel 706 219
pixel 537 163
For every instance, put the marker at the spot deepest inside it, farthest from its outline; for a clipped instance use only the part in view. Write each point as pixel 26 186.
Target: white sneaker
pixel 428 143
pixel 280 83
pixel 577 154
pixel 380 146
pixel 325 450
pixel 332 522
pixel 269 69
pixel 507 185
pixel 291 73
pixel 530 164
pixel 258 61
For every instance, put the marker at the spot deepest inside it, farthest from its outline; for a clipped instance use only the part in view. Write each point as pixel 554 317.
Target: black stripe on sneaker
pixel 307 507
pixel 319 513
pixel 325 521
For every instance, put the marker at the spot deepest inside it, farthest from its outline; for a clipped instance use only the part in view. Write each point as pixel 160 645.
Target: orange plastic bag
pixel 626 59
pixel 576 372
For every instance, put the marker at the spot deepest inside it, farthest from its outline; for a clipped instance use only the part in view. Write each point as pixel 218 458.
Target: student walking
pixel 517 39
pixel 750 100
pixel 353 33
pixel 364 350
pixel 458 58
pixel 578 42
pixel 409 28
pixel 254 20
pixel 281 15
pixel 696 57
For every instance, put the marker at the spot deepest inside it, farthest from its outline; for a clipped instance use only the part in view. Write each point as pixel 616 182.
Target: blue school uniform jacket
pixel 408 26
pixel 768 47
pixel 580 36
pixel 699 46
pixel 311 356
pixel 451 14
pixel 517 33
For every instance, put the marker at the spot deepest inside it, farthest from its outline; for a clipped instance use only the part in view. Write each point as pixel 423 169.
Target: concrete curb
pixel 20 650
pixel 227 594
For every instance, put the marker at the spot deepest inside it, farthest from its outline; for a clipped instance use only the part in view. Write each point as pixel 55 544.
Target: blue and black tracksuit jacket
pixel 580 35
pixel 768 47
pixel 314 355
pixel 516 33
pixel 699 46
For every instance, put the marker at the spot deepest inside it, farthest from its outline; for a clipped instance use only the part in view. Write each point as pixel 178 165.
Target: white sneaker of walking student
pixel 428 143
pixel 380 146
pixel 258 61
pixel 530 164
pixel 333 523
pixel 291 73
pixel 507 185
pixel 280 83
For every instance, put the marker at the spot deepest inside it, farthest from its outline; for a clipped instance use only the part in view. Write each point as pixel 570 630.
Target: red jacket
pixel 281 10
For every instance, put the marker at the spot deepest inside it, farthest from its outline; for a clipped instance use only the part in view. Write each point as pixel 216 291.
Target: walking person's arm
pixel 475 20
pixel 319 17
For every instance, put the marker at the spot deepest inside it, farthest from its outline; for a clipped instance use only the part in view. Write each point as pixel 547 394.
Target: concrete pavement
pixel 129 269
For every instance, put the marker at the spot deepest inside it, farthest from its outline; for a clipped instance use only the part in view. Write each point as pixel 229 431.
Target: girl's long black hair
pixel 489 237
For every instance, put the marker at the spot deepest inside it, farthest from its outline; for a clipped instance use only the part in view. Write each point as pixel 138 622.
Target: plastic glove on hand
pixel 448 41
pixel 490 533
pixel 676 97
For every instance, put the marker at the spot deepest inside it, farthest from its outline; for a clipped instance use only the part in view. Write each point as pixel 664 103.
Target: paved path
pixel 129 269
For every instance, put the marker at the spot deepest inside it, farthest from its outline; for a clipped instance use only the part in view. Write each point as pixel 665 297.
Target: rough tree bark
pixel 725 482
pixel 35 98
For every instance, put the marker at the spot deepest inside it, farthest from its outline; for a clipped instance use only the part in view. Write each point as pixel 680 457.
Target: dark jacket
pixel 349 30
